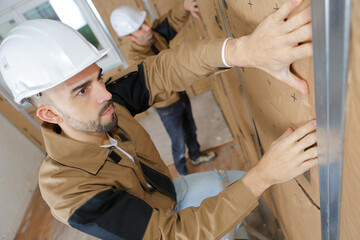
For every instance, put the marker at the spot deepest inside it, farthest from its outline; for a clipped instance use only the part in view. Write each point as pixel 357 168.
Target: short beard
pixel 94 126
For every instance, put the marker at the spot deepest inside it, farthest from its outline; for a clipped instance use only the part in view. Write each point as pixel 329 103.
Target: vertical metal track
pixel 106 30
pixel 147 5
pixel 331 33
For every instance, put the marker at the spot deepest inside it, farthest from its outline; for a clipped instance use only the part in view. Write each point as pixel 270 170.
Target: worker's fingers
pixel 286 9
pixel 195 11
pixel 305 166
pixel 309 154
pixel 197 16
pixel 302 51
pixel 286 134
pixel 298 20
pixel 300 35
pixel 307 141
pixel 295 82
pixel 302 131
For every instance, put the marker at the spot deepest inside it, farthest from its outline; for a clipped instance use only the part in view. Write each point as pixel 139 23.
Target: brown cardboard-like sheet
pixel 350 198
pixel 161 7
pixel 275 106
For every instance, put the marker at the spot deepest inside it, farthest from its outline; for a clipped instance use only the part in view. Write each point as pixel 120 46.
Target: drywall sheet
pixel 22 123
pixel 19 166
pixel 350 198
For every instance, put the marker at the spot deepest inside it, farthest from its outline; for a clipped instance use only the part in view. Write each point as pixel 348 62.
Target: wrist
pixel 237 52
pixel 254 182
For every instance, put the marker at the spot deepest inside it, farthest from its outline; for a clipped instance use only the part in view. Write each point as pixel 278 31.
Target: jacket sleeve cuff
pixel 242 196
pixel 216 53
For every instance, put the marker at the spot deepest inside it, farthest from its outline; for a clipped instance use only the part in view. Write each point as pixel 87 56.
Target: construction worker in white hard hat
pixel 102 174
pixel 175 112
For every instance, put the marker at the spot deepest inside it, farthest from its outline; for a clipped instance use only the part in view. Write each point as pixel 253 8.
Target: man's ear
pixel 48 114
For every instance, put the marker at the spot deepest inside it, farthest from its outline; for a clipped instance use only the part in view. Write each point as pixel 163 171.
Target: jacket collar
pixel 143 49
pixel 73 153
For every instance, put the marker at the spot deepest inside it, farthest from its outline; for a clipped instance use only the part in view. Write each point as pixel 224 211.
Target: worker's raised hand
pixel 289 156
pixel 191 5
pixel 277 42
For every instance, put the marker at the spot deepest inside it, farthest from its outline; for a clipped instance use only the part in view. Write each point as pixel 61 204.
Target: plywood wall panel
pixel 274 105
pixel 299 217
pixel 236 98
pixel 212 19
pixel 350 198
pixel 161 7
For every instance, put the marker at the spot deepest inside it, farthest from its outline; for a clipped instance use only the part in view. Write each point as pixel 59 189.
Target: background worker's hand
pixel 290 155
pixel 191 5
pixel 277 41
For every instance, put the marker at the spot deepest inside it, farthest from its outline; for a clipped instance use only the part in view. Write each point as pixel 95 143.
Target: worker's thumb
pixel 297 83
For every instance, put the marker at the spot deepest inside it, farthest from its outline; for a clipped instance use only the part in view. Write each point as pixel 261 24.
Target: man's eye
pixel 81 92
pixel 101 79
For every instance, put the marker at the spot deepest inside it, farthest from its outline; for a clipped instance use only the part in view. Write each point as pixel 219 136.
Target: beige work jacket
pixel 102 192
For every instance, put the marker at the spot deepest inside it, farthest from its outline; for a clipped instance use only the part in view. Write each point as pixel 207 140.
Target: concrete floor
pixel 212 128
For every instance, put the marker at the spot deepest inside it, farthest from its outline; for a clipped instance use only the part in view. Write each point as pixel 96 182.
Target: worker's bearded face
pixel 143 35
pixel 83 103
pixel 98 124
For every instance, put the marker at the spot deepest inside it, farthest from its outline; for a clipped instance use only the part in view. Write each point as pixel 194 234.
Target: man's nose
pixel 102 94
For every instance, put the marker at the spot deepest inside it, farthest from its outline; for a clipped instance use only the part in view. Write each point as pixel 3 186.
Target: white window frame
pixel 111 60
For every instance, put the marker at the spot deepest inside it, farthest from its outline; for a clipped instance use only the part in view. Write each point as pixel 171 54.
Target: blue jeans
pixel 192 189
pixel 180 125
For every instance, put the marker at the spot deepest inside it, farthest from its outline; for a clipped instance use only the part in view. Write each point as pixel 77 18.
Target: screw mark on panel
pixel 294 97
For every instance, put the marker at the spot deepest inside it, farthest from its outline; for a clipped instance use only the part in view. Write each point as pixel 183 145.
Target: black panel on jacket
pixel 115 157
pixel 131 91
pixel 154 49
pixel 113 215
pixel 165 30
pixel 159 180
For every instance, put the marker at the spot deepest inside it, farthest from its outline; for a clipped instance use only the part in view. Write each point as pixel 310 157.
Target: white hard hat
pixel 126 20
pixel 40 54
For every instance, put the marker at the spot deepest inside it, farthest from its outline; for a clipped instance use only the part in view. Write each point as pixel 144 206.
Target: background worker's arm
pixel 172 22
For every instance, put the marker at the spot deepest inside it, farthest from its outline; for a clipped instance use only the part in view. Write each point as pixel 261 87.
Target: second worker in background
pixel 175 112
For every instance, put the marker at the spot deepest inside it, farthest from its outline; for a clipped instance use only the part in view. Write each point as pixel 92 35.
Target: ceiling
pixel 6 4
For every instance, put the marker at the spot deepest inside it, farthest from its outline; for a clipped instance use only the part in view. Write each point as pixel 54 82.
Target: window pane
pixel 5 28
pixel 89 35
pixel 68 12
pixel 44 10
